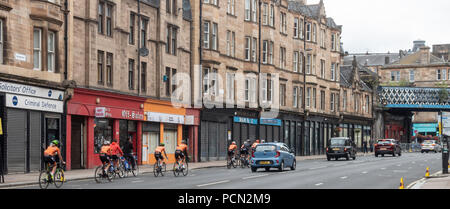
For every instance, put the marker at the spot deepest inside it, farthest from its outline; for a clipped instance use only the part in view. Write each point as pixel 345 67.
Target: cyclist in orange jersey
pixel 50 154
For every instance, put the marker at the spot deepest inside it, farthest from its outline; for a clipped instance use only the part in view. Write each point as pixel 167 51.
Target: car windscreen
pixel 266 148
pixel 338 142
pixel 384 142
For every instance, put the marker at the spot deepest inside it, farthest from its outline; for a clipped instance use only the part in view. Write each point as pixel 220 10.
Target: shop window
pixel 102 132
pixel 170 137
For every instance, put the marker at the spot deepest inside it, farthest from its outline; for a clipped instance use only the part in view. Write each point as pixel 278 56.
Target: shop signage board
pixel 269 121
pixel 109 112
pixel 34 103
pixel 14 88
pixel 189 120
pixel 446 123
pixel 246 120
pixel 165 118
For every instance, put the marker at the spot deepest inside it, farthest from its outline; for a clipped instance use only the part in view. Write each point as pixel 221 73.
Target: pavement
pixel 14 180
pixel 435 181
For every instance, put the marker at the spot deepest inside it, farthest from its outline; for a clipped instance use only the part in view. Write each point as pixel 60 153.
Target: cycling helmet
pixel 162 144
pixel 263 141
pixel 183 141
pixel 233 142
pixel 55 142
pixel 106 142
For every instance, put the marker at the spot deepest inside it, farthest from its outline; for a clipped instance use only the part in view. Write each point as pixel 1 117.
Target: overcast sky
pixel 389 25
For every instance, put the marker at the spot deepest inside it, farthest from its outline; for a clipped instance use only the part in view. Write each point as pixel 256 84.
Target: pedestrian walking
pixel 371 145
pixel 365 146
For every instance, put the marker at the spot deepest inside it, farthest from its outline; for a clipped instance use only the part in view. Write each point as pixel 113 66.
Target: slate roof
pixel 311 11
pixel 348 77
pixel 372 59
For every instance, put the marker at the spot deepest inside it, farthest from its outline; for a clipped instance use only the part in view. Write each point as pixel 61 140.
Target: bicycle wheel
pixel 59 178
pixel 242 162
pixel 176 167
pixel 185 169
pixel 156 169
pixel 44 179
pixel 121 171
pixel 228 163
pixel 99 176
pixel 163 169
pixel 233 163
pixel 135 171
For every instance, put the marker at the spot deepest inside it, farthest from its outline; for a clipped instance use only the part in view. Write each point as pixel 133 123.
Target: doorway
pixel 150 141
pixel 77 143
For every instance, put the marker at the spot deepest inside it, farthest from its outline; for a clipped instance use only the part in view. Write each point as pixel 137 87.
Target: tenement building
pixel 32 74
pixel 252 58
pixel 419 69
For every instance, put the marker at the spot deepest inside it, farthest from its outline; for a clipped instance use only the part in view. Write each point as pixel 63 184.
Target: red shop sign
pixel 105 112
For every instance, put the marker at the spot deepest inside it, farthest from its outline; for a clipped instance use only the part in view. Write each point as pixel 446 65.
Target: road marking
pixel 364 172
pixel 252 177
pixel 399 165
pixel 319 184
pixel 137 181
pixel 344 177
pixel 383 168
pixel 317 167
pixel 213 183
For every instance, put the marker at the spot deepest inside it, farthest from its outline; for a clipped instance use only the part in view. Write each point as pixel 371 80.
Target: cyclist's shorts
pixel 230 153
pixel 158 156
pixel 49 159
pixel 114 157
pixel 104 158
pixel 244 152
pixel 179 153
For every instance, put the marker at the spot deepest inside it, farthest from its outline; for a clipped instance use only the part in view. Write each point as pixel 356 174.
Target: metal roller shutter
pixel 213 133
pixel 35 141
pixel 16 142
pixel 204 141
pixel 222 141
pixel 252 132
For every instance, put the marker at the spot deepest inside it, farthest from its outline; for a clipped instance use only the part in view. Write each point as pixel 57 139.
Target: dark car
pixel 387 146
pixel 341 147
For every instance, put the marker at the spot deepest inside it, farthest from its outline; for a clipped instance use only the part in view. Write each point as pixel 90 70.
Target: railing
pixel 413 147
pixel 413 97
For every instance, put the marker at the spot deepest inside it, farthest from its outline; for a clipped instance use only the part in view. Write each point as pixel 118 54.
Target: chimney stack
pixel 387 60
pixel 424 55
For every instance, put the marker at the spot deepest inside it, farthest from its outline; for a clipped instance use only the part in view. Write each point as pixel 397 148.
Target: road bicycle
pixel 126 166
pixel 102 175
pixel 159 168
pixel 232 162
pixel 245 161
pixel 45 177
pixel 180 166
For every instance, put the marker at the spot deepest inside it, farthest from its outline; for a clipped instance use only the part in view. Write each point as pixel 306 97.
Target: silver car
pixel 430 146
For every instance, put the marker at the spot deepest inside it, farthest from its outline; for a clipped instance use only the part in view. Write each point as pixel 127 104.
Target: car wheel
pixel 294 164
pixel 281 166
pixel 267 169
pixel 354 157
pixel 400 154
pixel 382 155
pixel 393 154
pixel 336 158
pixel 376 155
pixel 328 158
pixel 254 169
pixel 347 157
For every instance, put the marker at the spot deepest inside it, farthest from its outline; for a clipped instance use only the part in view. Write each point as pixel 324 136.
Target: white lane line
pixel 213 183
pixel 383 168
pixel 319 184
pixel 317 167
pixel 252 177
pixel 344 177
pixel 364 172
pixel 137 181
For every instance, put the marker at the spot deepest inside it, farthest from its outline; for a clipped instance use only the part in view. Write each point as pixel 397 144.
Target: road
pixel 366 172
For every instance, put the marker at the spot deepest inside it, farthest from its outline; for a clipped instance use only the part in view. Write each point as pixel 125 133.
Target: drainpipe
pixel 139 47
pixel 66 56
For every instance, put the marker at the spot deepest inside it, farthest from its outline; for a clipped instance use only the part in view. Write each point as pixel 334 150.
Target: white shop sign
pixel 33 103
pixel 34 91
pixel 165 118
pixel 446 123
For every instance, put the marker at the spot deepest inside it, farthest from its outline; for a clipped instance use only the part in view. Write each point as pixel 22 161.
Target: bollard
pixel 402 186
pixel 427 174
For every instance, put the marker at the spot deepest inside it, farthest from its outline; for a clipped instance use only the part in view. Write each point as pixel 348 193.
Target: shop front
pixel 357 128
pixel 94 117
pixel 30 118
pixel 165 123
pixel 318 131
